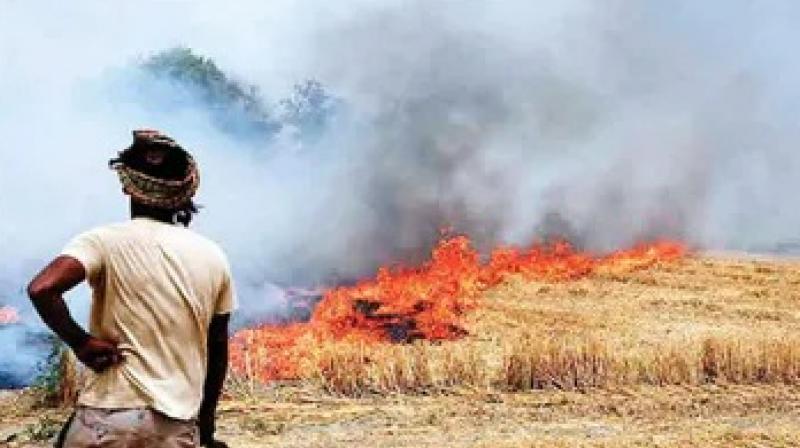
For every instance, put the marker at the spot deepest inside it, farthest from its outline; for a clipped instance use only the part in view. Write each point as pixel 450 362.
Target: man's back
pixel 156 288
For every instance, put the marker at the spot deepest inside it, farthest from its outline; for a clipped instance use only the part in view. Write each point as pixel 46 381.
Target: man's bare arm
pixel 46 290
pixel 215 377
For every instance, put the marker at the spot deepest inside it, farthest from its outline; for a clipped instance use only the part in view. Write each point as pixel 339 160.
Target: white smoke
pixel 617 121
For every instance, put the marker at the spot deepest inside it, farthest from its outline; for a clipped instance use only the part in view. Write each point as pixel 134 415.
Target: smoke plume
pixel 607 122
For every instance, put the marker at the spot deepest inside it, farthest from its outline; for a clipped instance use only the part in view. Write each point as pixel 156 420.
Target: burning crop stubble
pixel 608 123
pixel 626 121
pixel 686 322
pixel 427 303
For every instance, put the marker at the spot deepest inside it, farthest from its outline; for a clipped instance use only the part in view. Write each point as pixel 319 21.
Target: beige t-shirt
pixel 155 289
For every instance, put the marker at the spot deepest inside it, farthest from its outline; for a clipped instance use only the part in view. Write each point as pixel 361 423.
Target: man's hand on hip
pixel 98 354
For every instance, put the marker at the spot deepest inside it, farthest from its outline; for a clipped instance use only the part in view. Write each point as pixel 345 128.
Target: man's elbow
pixel 39 290
pixel 58 277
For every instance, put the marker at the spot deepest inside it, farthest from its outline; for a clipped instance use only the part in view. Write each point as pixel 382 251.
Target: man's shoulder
pixel 204 243
pixel 104 230
pixel 136 228
pixel 184 239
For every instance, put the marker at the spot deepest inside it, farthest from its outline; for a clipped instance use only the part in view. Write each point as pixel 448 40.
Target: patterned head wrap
pixel 154 191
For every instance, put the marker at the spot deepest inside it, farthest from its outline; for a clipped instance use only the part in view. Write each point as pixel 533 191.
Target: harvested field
pixel 698 352
pixel 690 322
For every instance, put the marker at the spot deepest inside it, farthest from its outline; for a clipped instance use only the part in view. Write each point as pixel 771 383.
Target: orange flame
pixel 427 302
pixel 8 315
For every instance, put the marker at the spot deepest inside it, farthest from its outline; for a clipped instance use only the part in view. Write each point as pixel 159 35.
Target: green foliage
pixel 309 108
pixel 236 106
pixel 48 381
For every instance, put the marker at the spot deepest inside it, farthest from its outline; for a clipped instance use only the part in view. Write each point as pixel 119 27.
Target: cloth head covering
pixel 150 190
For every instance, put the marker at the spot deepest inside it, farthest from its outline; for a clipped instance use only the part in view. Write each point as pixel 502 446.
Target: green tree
pixel 238 107
pixel 309 109
pixel 235 106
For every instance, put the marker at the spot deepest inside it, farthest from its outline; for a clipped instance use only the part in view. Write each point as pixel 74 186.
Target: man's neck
pixel 157 214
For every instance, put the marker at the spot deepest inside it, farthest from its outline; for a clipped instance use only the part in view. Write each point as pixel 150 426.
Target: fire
pixel 428 302
pixel 8 315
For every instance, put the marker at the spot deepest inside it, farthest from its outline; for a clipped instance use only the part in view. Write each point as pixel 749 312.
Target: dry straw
pixel 528 363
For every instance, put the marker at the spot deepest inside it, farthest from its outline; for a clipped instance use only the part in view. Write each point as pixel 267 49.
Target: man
pixel 161 302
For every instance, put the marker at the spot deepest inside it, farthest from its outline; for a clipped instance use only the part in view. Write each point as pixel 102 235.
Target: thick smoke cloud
pixel 610 122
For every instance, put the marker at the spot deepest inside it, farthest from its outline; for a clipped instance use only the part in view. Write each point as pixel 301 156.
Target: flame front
pixel 428 302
